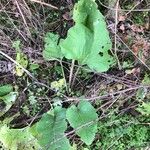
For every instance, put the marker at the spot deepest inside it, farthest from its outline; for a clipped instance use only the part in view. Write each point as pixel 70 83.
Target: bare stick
pixel 116 22
pixel 46 4
pixel 63 73
pixel 74 78
pixel 71 72
pixel 24 20
pixel 134 7
pixel 126 10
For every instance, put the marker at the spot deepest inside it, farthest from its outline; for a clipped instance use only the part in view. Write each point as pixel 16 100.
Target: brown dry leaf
pixel 147 26
pixel 121 18
pixel 67 16
pixel 136 28
pixel 122 28
pixel 146 50
pixel 141 46
pixel 135 49
pixel 134 71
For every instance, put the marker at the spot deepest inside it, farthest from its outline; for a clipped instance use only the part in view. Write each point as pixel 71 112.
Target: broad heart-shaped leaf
pixel 52 49
pixel 87 13
pixel 49 131
pixel 82 119
pixel 88 37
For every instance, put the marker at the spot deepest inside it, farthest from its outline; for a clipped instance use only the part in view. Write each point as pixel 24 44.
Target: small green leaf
pixel 127 64
pixel 22 59
pixel 16 45
pixel 144 108
pixel 146 80
pixel 58 85
pixel 9 100
pixel 5 89
pixel 49 131
pixel 34 66
pixel 52 49
pixel 82 119
pixel 141 93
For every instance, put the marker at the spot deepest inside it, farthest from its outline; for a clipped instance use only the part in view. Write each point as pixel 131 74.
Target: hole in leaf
pixel 109 52
pixel 101 54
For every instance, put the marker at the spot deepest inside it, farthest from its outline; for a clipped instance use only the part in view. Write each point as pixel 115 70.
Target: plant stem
pixel 74 78
pixel 71 72
pixel 63 73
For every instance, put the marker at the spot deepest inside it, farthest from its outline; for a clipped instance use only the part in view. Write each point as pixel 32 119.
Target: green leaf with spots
pixel 82 119
pixel 88 40
pixel 144 109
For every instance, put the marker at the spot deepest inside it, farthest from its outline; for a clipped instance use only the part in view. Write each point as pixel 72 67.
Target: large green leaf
pixel 76 43
pixel 49 131
pixel 88 37
pixel 52 49
pixel 87 13
pixel 82 119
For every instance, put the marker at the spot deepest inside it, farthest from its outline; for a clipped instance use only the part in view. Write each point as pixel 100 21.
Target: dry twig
pixel 46 4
